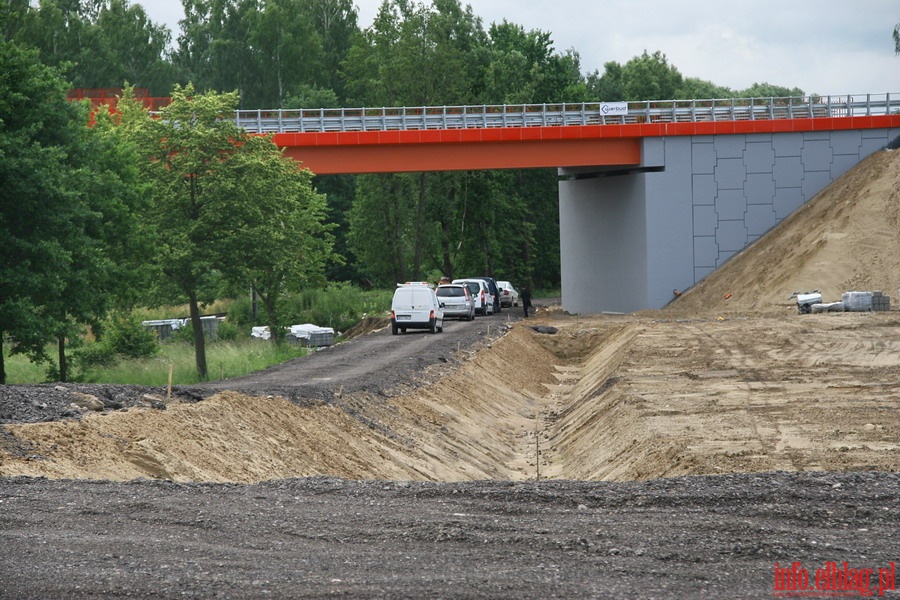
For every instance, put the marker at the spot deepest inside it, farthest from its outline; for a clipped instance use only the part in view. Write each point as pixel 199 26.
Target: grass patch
pixel 19 369
pixel 223 360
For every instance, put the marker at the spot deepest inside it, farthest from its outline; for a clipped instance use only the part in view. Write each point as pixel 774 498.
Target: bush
pixel 240 313
pixel 126 337
pixel 123 337
pixel 339 306
pixel 227 331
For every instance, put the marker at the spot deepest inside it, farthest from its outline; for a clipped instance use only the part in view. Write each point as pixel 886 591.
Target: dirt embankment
pixel 608 398
pixel 845 239
pixel 708 386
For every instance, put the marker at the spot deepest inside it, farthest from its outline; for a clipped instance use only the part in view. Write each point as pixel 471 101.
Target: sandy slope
pixel 847 238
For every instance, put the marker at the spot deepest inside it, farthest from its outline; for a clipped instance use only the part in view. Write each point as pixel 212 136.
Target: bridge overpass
pixel 653 196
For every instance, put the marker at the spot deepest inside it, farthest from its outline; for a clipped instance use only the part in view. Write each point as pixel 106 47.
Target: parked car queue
pixel 419 305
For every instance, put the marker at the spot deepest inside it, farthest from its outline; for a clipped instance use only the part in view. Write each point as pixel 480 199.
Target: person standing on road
pixel 526 299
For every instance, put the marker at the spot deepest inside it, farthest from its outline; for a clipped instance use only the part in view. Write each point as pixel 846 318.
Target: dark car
pixel 495 292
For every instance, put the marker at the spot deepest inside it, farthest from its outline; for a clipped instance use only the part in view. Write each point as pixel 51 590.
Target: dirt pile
pixel 847 238
pixel 472 424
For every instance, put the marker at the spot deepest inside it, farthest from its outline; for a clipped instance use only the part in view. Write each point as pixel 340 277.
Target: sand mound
pixel 473 423
pixel 847 238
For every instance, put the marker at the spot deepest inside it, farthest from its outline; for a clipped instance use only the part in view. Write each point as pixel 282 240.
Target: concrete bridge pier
pixel 631 234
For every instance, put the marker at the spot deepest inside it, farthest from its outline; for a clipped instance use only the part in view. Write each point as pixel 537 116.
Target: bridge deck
pixel 442 138
pixel 325 120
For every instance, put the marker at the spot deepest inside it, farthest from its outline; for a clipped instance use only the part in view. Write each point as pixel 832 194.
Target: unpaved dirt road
pixel 377 363
pixel 694 537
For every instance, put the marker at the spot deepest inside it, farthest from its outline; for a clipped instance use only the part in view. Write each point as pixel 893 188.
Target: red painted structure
pixel 110 97
pixel 474 148
pixel 522 147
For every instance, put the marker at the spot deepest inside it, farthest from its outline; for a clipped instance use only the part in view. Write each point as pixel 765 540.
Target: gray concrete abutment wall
pixel 628 238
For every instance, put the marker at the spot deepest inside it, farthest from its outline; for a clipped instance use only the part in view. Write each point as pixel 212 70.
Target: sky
pixel 827 47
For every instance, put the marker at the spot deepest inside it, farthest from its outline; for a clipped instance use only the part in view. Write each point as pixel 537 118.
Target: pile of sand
pixel 473 423
pixel 847 238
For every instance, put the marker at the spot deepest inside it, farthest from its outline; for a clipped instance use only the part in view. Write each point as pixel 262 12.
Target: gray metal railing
pixel 563 114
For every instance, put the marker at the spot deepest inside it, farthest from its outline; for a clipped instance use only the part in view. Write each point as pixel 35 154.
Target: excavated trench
pixel 613 398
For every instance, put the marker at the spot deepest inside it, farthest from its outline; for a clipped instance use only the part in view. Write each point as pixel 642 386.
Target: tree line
pixel 136 210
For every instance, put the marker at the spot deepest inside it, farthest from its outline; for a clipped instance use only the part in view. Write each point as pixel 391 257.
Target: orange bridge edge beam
pixel 463 156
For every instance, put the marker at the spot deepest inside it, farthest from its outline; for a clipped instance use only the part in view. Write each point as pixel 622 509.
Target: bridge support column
pixel 630 235
pixel 603 244
pixel 625 236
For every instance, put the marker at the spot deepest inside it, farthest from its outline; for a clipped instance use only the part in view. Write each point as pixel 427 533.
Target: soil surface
pixel 694 451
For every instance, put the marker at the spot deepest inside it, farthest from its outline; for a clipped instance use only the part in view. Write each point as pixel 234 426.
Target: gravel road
pixel 711 537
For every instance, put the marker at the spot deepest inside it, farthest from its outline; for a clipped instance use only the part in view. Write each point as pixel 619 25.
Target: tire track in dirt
pixel 745 363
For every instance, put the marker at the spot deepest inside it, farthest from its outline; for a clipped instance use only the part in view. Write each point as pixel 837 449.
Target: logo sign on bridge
pixel 614 109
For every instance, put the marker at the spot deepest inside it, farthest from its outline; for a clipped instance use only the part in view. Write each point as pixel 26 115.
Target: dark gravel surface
pixel 712 537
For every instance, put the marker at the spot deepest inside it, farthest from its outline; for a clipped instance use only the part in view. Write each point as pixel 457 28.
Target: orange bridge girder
pixel 345 152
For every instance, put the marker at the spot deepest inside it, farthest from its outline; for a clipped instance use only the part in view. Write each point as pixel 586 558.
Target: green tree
pixel 289 50
pixel 101 43
pixel 413 55
pixel 767 90
pixel 381 221
pixel 336 22
pixel 274 236
pixel 271 52
pixel 225 202
pixel 108 240
pixel 64 206
pixel 644 77
pixel 693 88
pixel 12 15
pixel 214 51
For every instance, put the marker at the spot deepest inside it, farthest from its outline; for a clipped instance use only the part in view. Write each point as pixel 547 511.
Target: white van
pixel 416 306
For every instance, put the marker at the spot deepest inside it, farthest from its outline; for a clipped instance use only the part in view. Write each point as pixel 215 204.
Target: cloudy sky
pixel 824 46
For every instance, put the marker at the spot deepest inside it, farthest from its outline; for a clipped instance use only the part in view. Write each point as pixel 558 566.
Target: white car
pixel 415 306
pixel 508 294
pixel 481 294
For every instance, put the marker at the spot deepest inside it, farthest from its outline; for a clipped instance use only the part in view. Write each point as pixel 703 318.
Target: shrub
pixel 126 337
pixel 227 331
pixel 240 313
pixel 123 337
pixel 339 306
